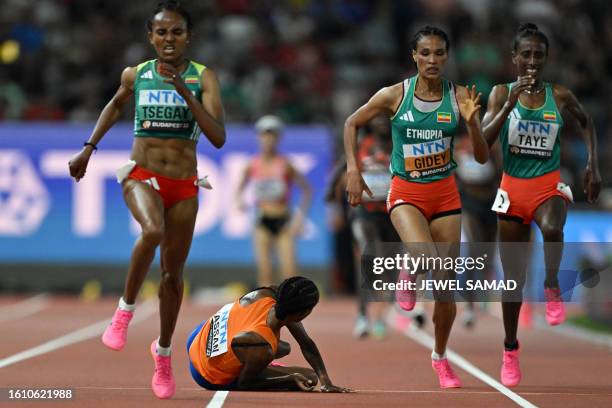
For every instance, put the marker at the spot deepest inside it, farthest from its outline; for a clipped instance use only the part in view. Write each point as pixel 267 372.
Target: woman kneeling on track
pixel 234 348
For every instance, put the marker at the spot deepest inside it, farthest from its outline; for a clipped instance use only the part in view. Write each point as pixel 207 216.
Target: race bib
pixel 216 343
pixel 163 110
pixel 532 139
pixel 379 183
pixel 125 170
pixel 270 189
pixel 565 190
pixel 502 202
pixel 203 182
pixel 427 158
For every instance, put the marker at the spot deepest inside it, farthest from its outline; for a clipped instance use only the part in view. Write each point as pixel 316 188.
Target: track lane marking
pixel 24 308
pixel 218 399
pixel 427 340
pixel 147 309
pixel 456 391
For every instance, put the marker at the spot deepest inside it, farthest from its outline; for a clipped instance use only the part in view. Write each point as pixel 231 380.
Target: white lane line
pixel 459 391
pixel 218 399
pixel 455 391
pixel 428 341
pixel 24 308
pixel 144 311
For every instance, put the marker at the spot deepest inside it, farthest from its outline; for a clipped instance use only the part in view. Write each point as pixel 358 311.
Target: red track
pixel 557 371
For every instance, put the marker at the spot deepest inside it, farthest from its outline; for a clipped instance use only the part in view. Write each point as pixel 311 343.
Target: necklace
pixel 534 92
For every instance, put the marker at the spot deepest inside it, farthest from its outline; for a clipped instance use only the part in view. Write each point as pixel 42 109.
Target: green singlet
pixel 530 138
pixel 423 141
pixel 160 110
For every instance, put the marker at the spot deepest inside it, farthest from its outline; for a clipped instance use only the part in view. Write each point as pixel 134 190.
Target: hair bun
pixel 527 27
pixel 294 295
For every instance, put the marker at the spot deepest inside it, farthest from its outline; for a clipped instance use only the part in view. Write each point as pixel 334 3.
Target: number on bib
pixel 502 202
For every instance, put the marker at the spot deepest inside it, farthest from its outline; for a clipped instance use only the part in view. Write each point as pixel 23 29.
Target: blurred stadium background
pixel 310 62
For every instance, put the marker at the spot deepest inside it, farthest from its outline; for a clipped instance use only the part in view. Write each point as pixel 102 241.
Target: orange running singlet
pixel 211 351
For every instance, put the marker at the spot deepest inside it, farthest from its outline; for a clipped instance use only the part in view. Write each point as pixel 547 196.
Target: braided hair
pixel 427 31
pixel 526 30
pixel 295 295
pixel 171 5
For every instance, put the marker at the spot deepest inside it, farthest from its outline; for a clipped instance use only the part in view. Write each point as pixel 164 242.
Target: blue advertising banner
pixel 46 217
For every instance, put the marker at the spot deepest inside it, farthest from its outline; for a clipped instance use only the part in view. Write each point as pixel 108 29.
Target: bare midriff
pixel 174 158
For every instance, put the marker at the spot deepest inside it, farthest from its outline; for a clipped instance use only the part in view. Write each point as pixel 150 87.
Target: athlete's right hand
pixel 78 163
pixel 522 84
pixel 302 382
pixel 355 186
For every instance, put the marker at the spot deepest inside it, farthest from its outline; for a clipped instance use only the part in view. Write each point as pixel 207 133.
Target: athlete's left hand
pixel 296 225
pixel 470 106
pixel 173 75
pixel 334 388
pixel 592 183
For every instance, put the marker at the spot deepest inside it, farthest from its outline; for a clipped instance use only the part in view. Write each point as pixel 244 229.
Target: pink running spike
pixel 163 383
pixel 446 375
pixel 115 335
pixel 555 311
pixel 526 316
pixel 510 370
pixel 406 299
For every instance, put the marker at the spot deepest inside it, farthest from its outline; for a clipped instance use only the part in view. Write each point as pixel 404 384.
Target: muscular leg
pixel 148 209
pixel 474 233
pixel 180 222
pixel 367 232
pixel 262 242
pixel 550 217
pixel 514 268
pixel 413 228
pixel 361 233
pixel 285 243
pixel 411 225
pixel 478 228
pixel 446 230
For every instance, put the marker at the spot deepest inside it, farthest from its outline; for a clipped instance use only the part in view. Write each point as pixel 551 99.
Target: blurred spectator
pixel 308 61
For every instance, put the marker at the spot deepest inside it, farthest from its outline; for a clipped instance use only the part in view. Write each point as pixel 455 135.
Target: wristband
pixel 91 144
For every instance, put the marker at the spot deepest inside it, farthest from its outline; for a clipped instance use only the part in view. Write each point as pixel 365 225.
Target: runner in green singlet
pixel 526 117
pixel 423 199
pixel 175 100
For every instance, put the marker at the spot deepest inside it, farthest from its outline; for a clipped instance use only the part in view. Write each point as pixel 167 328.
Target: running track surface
pixel 395 372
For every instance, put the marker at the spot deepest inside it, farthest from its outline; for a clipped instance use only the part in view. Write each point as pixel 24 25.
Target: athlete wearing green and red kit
pixel 531 140
pixel 162 113
pixel 422 158
pixel 422 162
pixel 526 116
pixel 169 106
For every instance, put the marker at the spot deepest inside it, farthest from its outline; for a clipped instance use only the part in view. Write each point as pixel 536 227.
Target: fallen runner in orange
pixel 234 349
